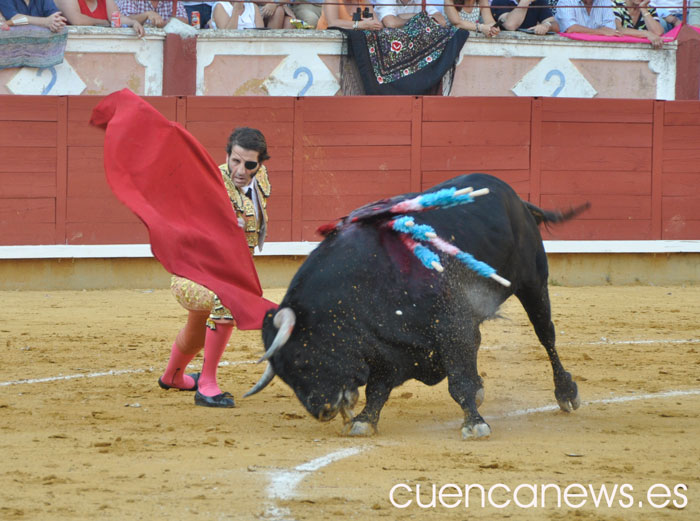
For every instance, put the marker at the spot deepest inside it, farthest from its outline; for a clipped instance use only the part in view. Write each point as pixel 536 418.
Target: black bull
pixel 363 310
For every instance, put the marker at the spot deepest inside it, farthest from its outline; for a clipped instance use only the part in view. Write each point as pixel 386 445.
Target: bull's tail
pixel 547 217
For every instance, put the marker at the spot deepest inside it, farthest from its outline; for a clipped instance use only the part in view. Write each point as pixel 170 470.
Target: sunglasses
pixel 250 165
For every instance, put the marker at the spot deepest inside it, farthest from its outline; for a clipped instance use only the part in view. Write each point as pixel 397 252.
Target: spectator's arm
pixel 548 24
pixel 148 17
pixel 486 14
pixel 259 22
pixel 650 20
pixel 654 39
pixel 383 11
pixel 222 18
pixel 439 18
pixel 54 22
pixel 71 11
pixel 392 21
pixel 126 21
pixel 603 31
pixel 515 17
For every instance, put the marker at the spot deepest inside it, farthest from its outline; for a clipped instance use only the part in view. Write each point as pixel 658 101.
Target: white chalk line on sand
pixel 115 372
pixel 283 483
pixel 614 399
pixel 118 372
pixel 604 342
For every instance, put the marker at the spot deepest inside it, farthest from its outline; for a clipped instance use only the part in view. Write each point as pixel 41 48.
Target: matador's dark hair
pixel 250 139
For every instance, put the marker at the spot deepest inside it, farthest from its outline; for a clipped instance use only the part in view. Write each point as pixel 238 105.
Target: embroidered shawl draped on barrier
pixel 407 60
pixel 31 46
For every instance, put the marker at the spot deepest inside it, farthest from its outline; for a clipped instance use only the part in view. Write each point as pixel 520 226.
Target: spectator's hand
pixel 154 19
pixel 672 20
pixel 238 8
pixel 644 3
pixel 138 29
pixel 370 24
pixel 656 41
pixel 268 9
pixel 542 29
pixel 439 19
pixel 55 22
pixel 489 30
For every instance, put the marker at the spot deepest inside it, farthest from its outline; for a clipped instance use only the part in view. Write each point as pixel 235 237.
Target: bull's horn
pixel 284 322
pixel 265 379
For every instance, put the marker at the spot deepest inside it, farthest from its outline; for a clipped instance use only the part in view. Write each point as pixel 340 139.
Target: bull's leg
pixel 365 424
pixel 465 384
pixel 537 306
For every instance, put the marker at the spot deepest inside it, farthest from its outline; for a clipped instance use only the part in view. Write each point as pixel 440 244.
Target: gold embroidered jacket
pixel 255 232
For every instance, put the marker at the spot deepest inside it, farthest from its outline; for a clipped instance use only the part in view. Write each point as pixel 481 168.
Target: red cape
pixel 160 171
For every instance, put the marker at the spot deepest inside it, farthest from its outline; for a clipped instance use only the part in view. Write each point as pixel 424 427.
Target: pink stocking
pixel 214 347
pixel 174 375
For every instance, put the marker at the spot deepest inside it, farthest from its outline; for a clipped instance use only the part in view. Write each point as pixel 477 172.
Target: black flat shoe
pixel 220 400
pixel 165 386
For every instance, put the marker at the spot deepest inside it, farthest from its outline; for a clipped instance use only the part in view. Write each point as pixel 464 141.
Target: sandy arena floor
pixel 86 433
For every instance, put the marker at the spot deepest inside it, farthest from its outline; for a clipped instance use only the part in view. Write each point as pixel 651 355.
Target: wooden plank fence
pixel 636 161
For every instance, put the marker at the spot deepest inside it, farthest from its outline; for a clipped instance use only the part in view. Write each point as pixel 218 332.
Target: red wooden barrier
pixel 635 160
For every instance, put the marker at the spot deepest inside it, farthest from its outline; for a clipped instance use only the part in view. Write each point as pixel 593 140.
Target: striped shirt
pixel 623 15
pixel 574 13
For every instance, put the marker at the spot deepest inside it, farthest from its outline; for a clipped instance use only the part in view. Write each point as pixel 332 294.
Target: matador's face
pixel 243 165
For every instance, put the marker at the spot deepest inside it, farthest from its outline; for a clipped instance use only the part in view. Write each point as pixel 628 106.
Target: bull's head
pixel 314 370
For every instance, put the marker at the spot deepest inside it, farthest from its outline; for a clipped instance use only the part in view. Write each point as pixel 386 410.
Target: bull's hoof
pixel 568 400
pixel 570 405
pixel 476 431
pixel 359 429
pixel 479 396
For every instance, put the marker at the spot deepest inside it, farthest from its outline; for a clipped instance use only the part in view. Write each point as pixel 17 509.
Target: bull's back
pixel 366 257
pixel 496 228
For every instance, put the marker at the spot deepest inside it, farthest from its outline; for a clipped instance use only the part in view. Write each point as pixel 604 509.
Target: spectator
pixel 152 12
pixel 203 8
pixel 670 13
pixel 694 13
pixel 276 16
pixel 306 11
pixel 339 14
pixel 95 12
pixel 636 18
pixel 237 15
pixel 43 13
pixel 395 13
pixel 540 19
pixel 586 16
pixel 472 16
